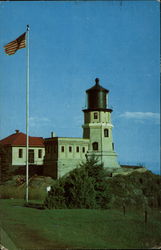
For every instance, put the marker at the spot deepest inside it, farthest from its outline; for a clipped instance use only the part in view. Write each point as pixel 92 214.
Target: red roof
pixel 19 139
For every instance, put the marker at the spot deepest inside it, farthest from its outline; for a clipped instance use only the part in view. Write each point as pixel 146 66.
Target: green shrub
pixel 15 192
pixel 11 192
pixel 96 171
pixel 84 187
pixel 37 193
pixel 55 198
pixel 89 187
pixel 79 190
pixel 136 188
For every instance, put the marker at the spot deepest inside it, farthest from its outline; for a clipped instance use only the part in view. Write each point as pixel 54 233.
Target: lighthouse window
pixel 95 115
pixel 83 149
pixel 62 148
pixel 70 149
pixel 106 133
pixel 95 146
pixel 77 149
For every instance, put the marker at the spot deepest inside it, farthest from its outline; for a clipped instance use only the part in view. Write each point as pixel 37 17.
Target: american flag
pixel 18 43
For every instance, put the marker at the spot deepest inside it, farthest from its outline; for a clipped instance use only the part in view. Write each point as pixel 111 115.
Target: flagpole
pixel 27 112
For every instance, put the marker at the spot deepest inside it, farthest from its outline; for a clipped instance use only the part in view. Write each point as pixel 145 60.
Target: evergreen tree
pixel 96 171
pixel 55 198
pixel 79 190
pixel 84 187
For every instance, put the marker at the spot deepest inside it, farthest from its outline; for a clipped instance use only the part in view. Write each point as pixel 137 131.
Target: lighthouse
pixel 97 126
pixel 63 154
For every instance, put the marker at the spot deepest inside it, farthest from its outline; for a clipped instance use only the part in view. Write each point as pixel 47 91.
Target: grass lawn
pixel 30 228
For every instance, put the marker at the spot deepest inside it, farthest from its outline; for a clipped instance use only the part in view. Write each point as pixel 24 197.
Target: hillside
pixel 132 192
pixel 135 187
pixel 138 187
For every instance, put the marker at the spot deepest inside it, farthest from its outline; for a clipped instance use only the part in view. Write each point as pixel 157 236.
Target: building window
pixel 77 149
pixel 113 146
pixel 20 153
pixel 106 132
pixel 95 145
pixel 62 148
pixel 83 149
pixel 70 149
pixel 31 156
pixel 95 115
pixel 40 153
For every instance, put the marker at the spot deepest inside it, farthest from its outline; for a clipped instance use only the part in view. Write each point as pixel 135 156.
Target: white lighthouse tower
pixel 98 127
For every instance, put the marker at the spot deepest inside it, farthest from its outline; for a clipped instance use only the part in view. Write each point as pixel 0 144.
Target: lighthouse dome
pixel 96 96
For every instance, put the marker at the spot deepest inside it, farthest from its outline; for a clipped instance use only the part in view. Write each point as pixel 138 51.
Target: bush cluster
pixel 16 192
pixel 84 187
pixel 89 187
pixel 136 190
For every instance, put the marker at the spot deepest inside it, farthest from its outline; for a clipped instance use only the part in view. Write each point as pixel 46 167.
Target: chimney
pixel 17 131
pixel 53 134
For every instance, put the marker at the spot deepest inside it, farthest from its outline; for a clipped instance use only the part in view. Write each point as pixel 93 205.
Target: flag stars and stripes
pixel 15 45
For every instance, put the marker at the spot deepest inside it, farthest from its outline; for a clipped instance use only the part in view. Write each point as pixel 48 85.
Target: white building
pixel 14 148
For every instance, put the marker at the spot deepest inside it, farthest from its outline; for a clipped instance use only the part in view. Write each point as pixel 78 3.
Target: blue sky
pixel 72 43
